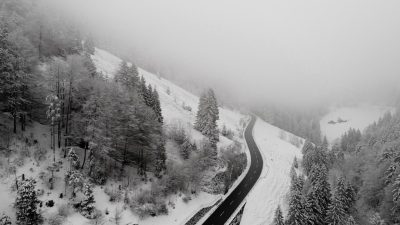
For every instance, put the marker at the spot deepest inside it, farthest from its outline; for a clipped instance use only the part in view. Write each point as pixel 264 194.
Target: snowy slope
pixel 273 185
pixel 171 103
pixel 358 117
pixel 172 99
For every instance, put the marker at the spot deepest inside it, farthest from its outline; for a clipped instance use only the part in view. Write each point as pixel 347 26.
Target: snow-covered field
pixel 358 117
pixel 273 185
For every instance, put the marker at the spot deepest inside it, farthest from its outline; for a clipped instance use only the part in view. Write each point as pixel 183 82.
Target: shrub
pixel 186 199
pixel 177 133
pixel 50 203
pixel 228 133
pixel 64 210
pixel 115 195
pixel 56 220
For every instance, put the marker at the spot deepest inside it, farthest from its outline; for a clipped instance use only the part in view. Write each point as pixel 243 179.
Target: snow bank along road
pixel 229 205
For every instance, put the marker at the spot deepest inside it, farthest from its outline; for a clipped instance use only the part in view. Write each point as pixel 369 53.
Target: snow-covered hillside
pixel 175 105
pixel 273 185
pixel 172 97
pixel 358 117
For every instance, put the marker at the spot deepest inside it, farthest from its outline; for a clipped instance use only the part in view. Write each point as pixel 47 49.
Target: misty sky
pixel 291 51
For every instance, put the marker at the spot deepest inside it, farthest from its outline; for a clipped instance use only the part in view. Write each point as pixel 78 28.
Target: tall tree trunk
pixel 15 123
pixel 84 154
pixel 124 157
pixel 53 142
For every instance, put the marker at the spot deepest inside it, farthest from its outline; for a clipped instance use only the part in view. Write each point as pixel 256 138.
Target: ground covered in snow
pixel 358 117
pixel 272 187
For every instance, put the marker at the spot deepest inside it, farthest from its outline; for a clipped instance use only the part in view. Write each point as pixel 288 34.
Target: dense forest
pixel 355 181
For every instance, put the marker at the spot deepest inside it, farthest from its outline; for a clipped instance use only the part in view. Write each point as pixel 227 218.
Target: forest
pixel 99 131
pixel 353 181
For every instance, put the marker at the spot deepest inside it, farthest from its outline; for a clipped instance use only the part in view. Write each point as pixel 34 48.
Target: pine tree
pixel 297 214
pixel 26 203
pixel 74 179
pixel 350 221
pixel 186 148
pixel 5 220
pixel 157 105
pixel 87 207
pixel 318 199
pixel 278 218
pixel 128 76
pixel 73 159
pixel 207 116
pixel 336 214
pixel 160 160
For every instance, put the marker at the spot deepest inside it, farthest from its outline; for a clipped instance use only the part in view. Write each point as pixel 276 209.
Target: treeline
pixel 313 199
pixel 371 163
pixel 303 123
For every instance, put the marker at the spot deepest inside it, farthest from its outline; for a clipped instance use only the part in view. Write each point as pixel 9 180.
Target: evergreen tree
pixel 87 205
pixel 128 76
pixel 318 199
pixel 207 116
pixel 186 148
pixel 5 220
pixel 297 214
pixel 26 203
pixel 278 218
pixel 350 221
pixel 160 160
pixel 336 214
pixel 157 105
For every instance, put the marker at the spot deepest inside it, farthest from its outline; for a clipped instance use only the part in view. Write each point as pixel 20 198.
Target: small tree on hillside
pixel 26 204
pixel 207 116
pixel 278 219
pixel 5 220
pixel 87 205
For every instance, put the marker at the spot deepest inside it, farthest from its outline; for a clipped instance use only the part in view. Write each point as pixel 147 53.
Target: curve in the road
pixel 230 204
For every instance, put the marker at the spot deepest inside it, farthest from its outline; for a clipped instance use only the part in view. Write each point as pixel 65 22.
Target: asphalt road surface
pixel 229 205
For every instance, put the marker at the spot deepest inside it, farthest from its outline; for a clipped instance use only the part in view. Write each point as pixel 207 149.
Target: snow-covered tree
pixel 297 212
pixel 157 106
pixel 5 220
pixel 26 203
pixel 319 196
pixel 73 159
pixel 207 116
pixel 278 218
pixel 336 214
pixel 127 76
pixel 53 113
pixel 75 180
pixel 87 207
pixel 160 160
pixel 351 221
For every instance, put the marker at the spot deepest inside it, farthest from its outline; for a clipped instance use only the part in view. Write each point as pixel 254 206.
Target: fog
pixel 294 52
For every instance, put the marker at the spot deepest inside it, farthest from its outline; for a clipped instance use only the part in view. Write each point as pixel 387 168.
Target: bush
pixel 64 210
pixel 177 133
pixel 186 199
pixel 39 154
pixel 115 195
pixel 186 107
pixel 56 220
pixel 50 203
pixel 228 133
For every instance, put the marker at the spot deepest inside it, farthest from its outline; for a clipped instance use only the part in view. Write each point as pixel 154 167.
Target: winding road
pixel 232 202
